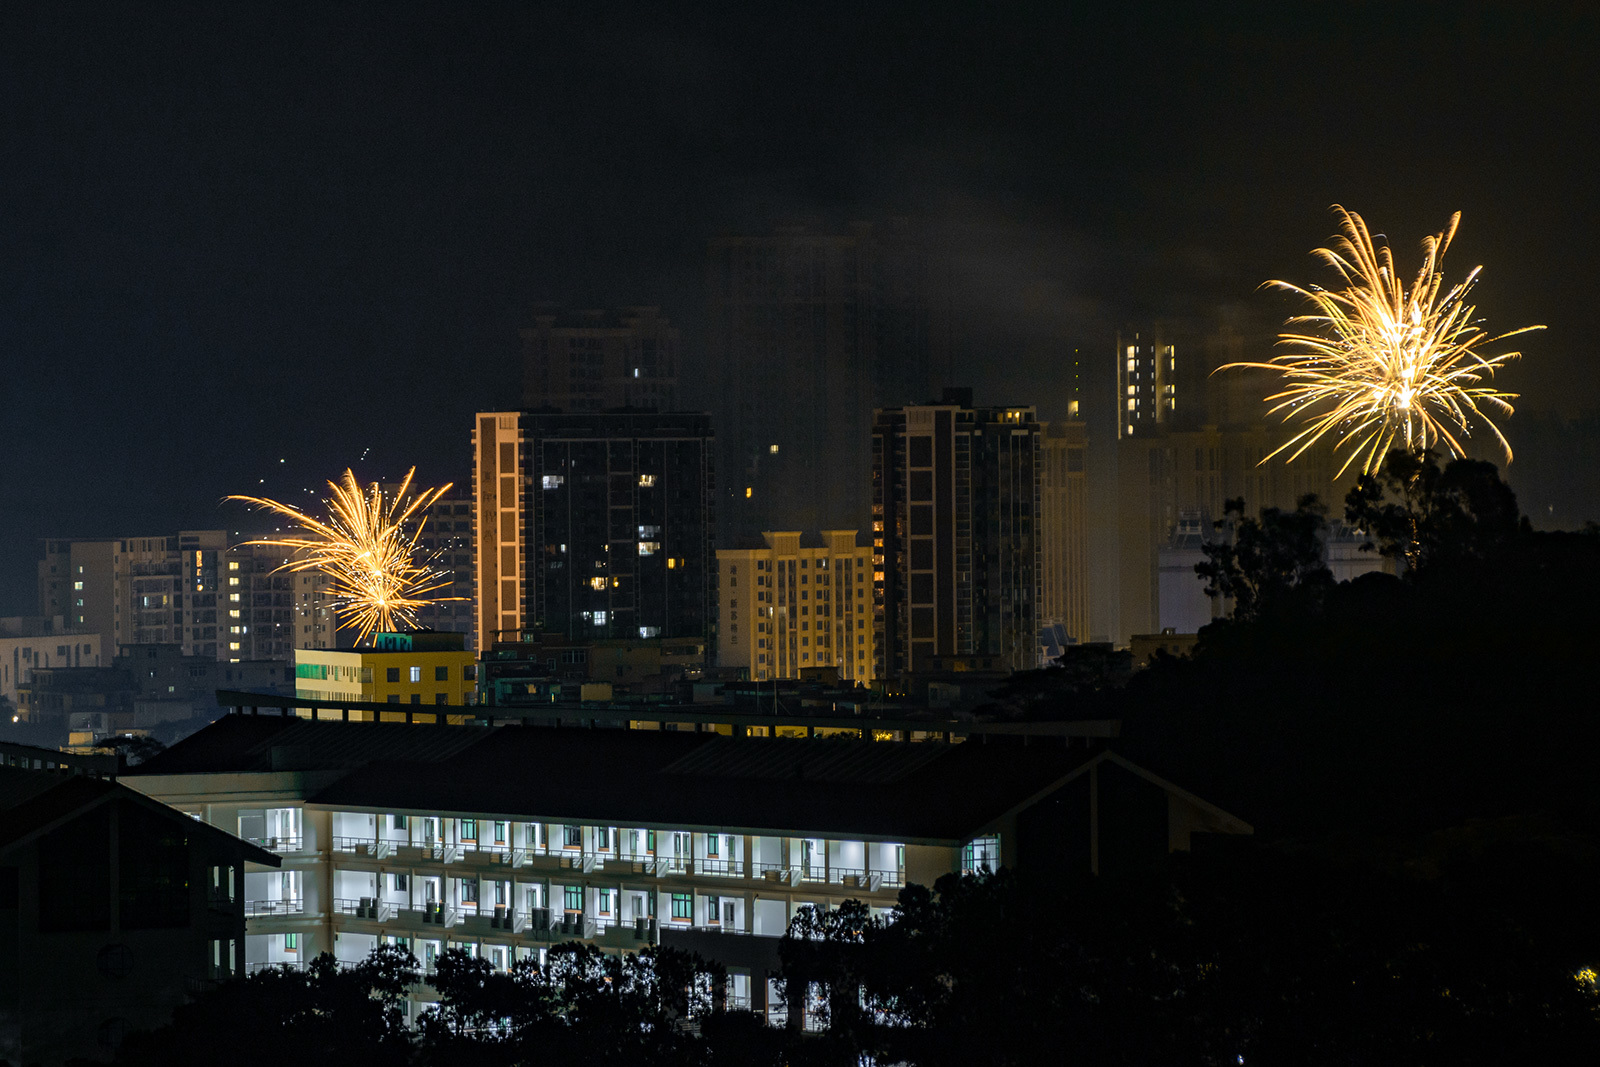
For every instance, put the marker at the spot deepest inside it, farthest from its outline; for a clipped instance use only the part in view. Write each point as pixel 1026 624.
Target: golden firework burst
pixel 368 548
pixel 1378 364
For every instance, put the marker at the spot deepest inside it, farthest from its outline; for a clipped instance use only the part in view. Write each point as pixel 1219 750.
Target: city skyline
pixel 219 221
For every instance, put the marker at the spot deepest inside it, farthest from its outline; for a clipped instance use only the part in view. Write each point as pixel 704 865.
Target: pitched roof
pixel 244 743
pixel 34 802
pixel 923 791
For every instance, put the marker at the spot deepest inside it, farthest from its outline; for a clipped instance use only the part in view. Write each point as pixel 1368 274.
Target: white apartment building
pixel 505 840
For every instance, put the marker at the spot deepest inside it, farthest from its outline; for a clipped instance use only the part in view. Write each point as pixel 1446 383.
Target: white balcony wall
pixel 883 856
pixel 847 855
pixel 771 918
pixel 355 824
pixel 426 830
pixel 354 885
pixel 395 828
pixel 770 850
pixel 396 889
pixel 353 948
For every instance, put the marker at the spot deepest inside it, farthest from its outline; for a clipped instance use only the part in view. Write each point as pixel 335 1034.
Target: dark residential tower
pixel 955 521
pixel 808 333
pixel 594 525
pixel 596 360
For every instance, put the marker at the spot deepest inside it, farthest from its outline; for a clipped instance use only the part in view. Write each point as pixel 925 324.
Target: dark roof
pixel 925 791
pixel 33 801
pixel 244 743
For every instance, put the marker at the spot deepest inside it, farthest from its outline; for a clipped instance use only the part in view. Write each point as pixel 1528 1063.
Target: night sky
pixel 236 236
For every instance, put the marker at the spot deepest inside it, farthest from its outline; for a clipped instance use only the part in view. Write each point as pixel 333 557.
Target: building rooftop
pixel 927 791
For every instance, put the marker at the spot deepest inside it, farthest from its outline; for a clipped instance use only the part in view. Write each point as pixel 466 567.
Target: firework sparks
pixel 368 549
pixel 1379 365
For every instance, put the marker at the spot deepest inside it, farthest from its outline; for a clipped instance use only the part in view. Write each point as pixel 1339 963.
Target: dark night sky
pixel 234 234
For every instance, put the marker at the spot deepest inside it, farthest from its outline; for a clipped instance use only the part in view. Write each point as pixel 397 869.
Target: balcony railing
pixel 289 906
pixel 370 908
pixel 714 866
pixel 281 965
pixel 278 844
pixel 378 848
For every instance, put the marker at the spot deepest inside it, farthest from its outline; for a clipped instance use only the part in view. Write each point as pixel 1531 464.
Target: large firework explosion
pixel 1379 365
pixel 368 549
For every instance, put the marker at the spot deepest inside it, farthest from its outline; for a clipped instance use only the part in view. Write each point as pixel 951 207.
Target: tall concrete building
pixel 791 607
pixel 595 360
pixel 1064 527
pixel 210 594
pixel 596 525
pixel 955 521
pixel 808 333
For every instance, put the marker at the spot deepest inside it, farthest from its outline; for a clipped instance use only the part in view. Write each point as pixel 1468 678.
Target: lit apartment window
pixel 647 481
pixel 77 587
pixel 233 565
pixel 552 481
pixel 416 674
pixel 682 906
pixel 572 836
pixel 573 897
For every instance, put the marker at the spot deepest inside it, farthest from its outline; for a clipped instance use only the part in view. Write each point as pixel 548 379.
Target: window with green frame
pixel 574 897
pixel 712 841
pixel 650 841
pixel 499 833
pixel 683 906
pixel 469 829
pixel 291 942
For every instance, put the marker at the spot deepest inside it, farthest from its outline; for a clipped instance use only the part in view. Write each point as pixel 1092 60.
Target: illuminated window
pixel 233 613
pixel 552 481
pixel 647 481
pixel 747 492
pixel 77 587
pixel 416 674
pixel 597 584
pixel 649 548
pixel 773 449
pixel 233 646
pixel 233 565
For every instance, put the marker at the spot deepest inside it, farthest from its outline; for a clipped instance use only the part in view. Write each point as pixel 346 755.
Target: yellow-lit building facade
pixel 788 607
pixel 408 669
pixel 1064 527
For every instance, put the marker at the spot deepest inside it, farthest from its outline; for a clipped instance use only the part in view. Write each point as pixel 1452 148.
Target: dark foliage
pixel 1268 560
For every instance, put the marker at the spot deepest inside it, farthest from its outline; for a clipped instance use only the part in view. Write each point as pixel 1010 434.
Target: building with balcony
pixel 113 910
pixel 417 667
pixel 439 838
pixel 792 607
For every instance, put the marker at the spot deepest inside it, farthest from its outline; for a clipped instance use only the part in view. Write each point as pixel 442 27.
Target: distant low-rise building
pixel 417 667
pixel 41 641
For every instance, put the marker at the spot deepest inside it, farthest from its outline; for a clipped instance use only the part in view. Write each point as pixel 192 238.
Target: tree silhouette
pixel 1266 560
